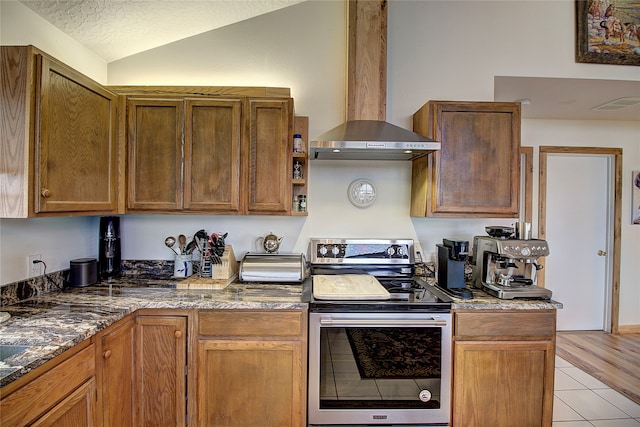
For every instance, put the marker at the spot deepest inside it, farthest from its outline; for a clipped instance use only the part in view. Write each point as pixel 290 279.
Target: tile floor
pixel 580 400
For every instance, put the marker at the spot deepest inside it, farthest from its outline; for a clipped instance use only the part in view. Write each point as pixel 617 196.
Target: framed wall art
pixel 635 198
pixel 608 31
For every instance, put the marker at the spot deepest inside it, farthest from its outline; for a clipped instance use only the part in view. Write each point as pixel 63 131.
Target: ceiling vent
pixel 618 104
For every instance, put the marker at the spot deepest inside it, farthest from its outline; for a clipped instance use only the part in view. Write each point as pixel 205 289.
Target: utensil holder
pixel 183 266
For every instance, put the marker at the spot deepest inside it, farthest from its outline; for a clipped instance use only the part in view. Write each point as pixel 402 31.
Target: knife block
pixel 229 266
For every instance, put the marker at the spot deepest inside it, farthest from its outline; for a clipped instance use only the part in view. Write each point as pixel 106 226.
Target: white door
pixel 577 218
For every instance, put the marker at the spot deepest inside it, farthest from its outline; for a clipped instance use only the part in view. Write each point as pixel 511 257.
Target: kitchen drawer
pixel 249 323
pixel 32 400
pixel 504 325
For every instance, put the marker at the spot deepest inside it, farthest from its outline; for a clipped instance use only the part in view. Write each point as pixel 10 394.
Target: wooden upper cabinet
pixel 154 154
pixel 270 142
pixel 209 155
pixel 59 143
pixel 477 171
pixel 212 136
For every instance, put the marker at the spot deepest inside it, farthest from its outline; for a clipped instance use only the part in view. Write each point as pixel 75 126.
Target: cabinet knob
pixel 46 193
pixel 178 334
pixel 107 354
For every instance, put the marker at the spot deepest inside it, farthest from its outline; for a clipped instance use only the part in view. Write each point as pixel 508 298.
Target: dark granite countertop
pixel 52 323
pixel 483 301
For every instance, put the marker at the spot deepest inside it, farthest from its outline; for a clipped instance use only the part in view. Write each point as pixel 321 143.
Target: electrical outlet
pixel 34 270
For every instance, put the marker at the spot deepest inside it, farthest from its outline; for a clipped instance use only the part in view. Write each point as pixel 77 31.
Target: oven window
pixel 382 368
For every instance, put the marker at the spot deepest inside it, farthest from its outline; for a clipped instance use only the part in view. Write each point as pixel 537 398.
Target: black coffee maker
pixel 110 261
pixel 452 257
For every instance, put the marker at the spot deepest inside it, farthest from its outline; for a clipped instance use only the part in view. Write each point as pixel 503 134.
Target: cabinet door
pixel 250 383
pixel 41 397
pixel 75 144
pixel 269 144
pixel 154 154
pixel 503 384
pixel 476 173
pixel 161 383
pixel 117 376
pixel 212 155
pixel 77 409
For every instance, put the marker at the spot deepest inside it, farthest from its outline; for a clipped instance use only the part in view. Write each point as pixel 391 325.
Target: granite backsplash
pixel 12 293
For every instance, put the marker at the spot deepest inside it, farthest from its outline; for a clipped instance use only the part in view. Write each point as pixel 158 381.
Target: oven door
pixel 379 368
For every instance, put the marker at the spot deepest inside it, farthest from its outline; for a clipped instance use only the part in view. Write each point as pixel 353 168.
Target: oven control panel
pixel 361 251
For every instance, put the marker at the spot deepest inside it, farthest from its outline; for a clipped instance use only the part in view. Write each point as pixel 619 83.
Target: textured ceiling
pixel 114 29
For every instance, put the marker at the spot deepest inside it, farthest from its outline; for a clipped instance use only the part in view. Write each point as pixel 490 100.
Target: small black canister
pixel 83 272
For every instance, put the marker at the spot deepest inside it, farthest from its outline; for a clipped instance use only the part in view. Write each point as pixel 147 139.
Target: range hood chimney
pixel 366 135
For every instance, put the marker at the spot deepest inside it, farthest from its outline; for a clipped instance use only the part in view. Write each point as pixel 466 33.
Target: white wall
pixel 437 50
pixel 20 26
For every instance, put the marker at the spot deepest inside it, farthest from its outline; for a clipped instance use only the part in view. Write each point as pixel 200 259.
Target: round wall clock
pixel 362 193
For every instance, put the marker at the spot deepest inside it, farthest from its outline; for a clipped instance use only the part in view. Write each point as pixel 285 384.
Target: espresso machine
pixel 452 257
pixel 109 250
pixel 506 268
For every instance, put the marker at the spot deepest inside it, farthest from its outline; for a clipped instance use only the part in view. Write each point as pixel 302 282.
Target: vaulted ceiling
pixel 114 29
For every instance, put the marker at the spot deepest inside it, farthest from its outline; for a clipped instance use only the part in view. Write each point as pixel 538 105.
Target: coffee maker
pixel 109 250
pixel 507 268
pixel 452 257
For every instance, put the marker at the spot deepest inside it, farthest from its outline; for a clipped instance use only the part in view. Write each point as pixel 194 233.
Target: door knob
pixel 602 253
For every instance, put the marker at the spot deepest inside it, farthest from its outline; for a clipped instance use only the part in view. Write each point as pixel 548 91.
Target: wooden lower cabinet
pixel 116 374
pixel 142 371
pixel 60 393
pixel 77 409
pixel 503 368
pixel 252 368
pixel 161 351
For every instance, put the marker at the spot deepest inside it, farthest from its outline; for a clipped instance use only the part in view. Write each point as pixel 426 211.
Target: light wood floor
pixel 612 359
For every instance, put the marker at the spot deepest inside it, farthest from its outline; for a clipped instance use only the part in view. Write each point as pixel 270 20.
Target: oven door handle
pixel 382 323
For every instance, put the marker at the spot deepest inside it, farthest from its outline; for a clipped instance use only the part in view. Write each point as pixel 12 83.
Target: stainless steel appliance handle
pixel 382 323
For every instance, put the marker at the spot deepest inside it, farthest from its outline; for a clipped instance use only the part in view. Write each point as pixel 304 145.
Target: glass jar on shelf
pixel 302 203
pixel 298 143
pixel 297 170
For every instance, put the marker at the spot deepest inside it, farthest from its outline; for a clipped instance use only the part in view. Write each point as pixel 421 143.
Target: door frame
pixel 526 184
pixel 614 154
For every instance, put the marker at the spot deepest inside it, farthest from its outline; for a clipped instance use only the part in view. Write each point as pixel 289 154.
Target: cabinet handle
pixel 178 334
pixel 107 354
pixel 46 193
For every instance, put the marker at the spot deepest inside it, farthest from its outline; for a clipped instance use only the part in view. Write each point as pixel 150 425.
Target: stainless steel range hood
pixel 366 135
pixel 370 140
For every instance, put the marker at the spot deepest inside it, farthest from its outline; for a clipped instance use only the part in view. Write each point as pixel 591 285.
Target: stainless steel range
pixel 379 338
